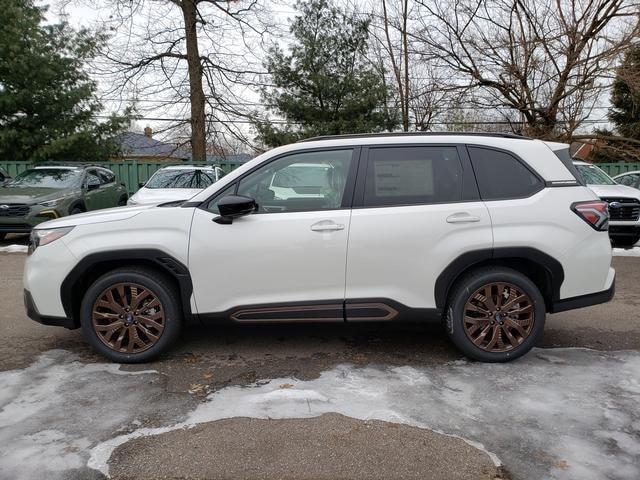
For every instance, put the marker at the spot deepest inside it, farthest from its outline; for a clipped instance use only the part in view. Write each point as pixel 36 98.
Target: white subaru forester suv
pixel 486 233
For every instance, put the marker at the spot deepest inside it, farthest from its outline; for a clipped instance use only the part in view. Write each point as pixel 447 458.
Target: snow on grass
pixel 14 249
pixel 561 413
pixel 556 413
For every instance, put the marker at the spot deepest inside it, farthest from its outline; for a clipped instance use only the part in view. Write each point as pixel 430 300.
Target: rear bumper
pixel 584 300
pixel 33 314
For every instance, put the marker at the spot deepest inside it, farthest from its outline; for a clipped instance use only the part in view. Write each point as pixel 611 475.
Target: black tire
pixel 75 210
pixel 160 287
pixel 465 289
pixel 123 201
pixel 624 242
pixel 2 236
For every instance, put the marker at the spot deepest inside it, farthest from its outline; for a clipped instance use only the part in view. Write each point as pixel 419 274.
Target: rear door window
pixel 501 175
pixel 413 175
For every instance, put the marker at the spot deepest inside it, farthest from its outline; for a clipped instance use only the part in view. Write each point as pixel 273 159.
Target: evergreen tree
pixel 47 100
pixel 625 95
pixel 325 84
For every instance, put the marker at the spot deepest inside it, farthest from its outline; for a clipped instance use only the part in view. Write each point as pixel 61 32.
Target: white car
pixel 476 231
pixel 630 179
pixel 623 201
pixel 175 183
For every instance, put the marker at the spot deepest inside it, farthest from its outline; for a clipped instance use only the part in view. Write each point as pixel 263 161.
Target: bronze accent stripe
pixel 387 313
pixel 238 316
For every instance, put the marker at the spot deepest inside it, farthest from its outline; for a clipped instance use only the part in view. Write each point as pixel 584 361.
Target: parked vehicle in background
pixel 52 191
pixel 476 231
pixel 623 201
pixel 4 176
pixel 174 183
pixel 630 179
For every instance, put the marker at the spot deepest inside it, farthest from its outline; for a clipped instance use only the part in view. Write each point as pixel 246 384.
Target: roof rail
pixel 412 134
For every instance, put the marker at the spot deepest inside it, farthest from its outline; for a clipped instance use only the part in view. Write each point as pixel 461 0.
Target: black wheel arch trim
pixel 466 261
pixel 158 258
pixel 78 203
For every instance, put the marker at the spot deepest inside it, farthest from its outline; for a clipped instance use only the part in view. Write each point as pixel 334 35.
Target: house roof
pixel 140 145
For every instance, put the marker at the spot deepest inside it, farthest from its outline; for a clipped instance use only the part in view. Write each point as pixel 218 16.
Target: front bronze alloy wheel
pixel 498 317
pixel 495 314
pixel 128 318
pixel 131 314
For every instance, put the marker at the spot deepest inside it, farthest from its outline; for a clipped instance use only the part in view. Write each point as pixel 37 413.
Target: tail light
pixel 595 213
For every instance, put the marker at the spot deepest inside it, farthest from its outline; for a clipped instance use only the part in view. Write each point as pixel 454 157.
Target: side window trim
pixel 347 198
pixel 541 182
pixel 468 178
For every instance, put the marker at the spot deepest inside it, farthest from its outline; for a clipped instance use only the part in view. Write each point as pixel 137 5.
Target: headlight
pixel 52 203
pixel 46 235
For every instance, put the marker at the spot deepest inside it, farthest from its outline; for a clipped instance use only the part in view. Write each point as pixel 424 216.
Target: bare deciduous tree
pixel 546 59
pixel 189 58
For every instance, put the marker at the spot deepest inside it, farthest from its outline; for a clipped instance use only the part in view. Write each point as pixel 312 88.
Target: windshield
pixel 47 178
pixel 592 175
pixel 178 178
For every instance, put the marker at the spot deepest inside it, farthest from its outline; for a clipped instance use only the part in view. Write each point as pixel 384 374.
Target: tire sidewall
pixel 459 300
pixel 163 293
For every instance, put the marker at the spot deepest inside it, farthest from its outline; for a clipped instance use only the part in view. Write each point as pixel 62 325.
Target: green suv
pixel 47 192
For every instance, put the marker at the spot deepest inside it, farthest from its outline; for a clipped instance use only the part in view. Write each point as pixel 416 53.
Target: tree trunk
pixel 198 138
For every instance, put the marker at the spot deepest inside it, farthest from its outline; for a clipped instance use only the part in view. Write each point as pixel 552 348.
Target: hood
pixel 31 194
pixel 97 216
pixel 154 196
pixel 615 191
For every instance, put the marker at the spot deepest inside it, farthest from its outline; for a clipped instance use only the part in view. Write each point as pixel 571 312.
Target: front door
pixel 287 260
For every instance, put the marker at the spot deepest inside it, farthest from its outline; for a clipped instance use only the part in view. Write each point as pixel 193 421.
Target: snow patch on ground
pixel 14 249
pixel 556 413
pixel 561 413
pixel 627 252
pixel 53 411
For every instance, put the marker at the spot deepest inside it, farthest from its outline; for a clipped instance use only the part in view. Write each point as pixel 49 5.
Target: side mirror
pixel 141 184
pixel 234 206
pixel 92 186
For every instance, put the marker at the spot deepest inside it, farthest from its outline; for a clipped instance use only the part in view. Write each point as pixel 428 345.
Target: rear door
pixel 417 209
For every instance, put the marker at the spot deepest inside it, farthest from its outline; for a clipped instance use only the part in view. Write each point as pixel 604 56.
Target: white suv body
pixel 414 227
pixel 623 201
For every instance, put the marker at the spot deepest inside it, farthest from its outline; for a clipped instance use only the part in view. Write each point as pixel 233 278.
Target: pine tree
pixel 625 95
pixel 48 104
pixel 324 85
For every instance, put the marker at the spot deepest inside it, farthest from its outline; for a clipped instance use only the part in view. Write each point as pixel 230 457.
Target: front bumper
pixel 584 300
pixel 33 314
pixel 24 224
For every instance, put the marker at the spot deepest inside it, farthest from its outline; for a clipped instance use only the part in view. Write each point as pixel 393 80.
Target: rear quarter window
pixel 501 175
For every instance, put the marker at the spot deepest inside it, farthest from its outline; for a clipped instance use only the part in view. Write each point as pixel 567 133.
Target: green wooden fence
pixel 129 172
pixel 614 169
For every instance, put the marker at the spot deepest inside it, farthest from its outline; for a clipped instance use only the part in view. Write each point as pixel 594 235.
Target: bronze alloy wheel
pixel 128 318
pixel 498 317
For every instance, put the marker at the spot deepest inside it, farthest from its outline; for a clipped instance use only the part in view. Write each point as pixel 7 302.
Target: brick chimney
pixel 148 132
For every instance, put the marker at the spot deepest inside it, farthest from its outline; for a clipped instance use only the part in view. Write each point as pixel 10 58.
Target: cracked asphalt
pixel 207 360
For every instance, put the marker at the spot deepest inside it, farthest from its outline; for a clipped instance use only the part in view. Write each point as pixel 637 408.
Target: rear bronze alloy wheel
pixel 495 314
pixel 128 318
pixel 131 314
pixel 498 317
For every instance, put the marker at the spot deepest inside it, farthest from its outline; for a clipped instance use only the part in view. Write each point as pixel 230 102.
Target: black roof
pixel 414 134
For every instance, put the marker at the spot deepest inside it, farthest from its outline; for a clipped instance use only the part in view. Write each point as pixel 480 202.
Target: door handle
pixel 462 217
pixel 326 226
